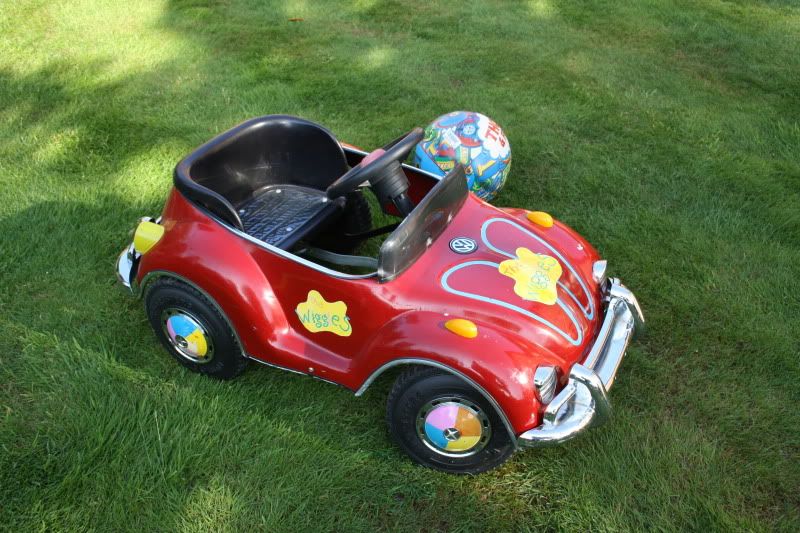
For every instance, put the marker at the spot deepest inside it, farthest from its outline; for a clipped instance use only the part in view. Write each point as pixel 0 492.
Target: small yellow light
pixel 146 236
pixel 463 327
pixel 541 218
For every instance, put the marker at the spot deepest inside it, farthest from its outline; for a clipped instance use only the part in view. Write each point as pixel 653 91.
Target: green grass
pixel 665 132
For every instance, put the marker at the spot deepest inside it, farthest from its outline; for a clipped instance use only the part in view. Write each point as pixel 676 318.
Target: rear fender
pixel 214 261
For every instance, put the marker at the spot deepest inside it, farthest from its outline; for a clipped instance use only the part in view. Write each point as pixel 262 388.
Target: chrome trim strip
pixel 602 335
pixel 125 263
pixel 618 290
pixel 278 367
pixel 440 366
pixel 278 251
pixel 359 261
pixel 583 402
pixel 484 228
pixel 575 342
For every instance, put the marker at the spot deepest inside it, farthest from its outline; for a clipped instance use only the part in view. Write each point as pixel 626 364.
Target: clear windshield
pixel 425 223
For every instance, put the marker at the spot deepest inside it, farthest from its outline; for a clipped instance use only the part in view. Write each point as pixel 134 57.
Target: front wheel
pixel 442 422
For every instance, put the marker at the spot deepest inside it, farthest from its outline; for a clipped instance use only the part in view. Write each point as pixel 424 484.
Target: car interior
pixel 290 184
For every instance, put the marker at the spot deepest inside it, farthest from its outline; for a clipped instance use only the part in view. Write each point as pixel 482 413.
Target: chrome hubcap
pixel 453 426
pixel 187 335
pixel 452 434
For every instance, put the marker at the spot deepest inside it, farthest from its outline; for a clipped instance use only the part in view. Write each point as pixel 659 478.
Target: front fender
pixel 498 363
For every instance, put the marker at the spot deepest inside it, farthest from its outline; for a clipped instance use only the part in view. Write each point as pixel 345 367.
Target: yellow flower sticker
pixel 535 274
pixel 318 315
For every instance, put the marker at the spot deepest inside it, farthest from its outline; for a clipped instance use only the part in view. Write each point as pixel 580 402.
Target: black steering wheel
pixel 382 170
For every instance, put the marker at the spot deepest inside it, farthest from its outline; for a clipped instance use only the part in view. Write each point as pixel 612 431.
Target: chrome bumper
pixel 126 262
pixel 583 403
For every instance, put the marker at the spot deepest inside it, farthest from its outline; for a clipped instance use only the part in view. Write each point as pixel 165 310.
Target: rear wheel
pixel 193 330
pixel 442 422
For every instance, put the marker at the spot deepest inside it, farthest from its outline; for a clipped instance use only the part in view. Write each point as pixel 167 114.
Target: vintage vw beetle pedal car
pixel 505 328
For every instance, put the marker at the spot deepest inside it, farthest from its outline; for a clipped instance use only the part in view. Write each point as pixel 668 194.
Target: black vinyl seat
pixel 267 177
pixel 281 215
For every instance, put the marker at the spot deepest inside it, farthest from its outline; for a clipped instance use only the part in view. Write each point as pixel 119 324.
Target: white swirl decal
pixel 575 341
pixel 588 313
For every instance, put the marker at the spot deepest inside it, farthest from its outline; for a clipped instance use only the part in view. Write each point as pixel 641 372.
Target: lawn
pixel 665 132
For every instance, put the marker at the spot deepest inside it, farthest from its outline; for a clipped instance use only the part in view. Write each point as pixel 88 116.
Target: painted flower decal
pixel 535 274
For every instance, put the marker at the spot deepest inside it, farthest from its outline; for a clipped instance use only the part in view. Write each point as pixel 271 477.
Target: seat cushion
pixel 281 215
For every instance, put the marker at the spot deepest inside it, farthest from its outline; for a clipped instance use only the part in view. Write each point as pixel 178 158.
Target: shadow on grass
pixel 114 414
pixel 70 125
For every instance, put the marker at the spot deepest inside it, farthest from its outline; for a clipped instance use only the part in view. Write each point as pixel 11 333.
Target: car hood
pixel 495 266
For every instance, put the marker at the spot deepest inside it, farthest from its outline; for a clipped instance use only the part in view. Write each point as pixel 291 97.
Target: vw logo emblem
pixel 463 245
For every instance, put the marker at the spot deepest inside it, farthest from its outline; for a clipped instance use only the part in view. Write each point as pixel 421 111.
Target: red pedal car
pixel 505 329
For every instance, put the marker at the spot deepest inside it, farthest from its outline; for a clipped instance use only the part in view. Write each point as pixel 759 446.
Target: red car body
pixel 402 320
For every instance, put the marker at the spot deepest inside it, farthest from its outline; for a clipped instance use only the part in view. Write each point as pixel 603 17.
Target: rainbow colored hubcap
pixel 453 427
pixel 187 335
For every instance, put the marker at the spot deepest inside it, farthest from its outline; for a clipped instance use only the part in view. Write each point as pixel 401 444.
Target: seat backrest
pixel 271 150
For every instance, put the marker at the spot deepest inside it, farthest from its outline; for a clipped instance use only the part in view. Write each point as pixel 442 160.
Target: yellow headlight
pixel 541 218
pixel 463 327
pixel 146 236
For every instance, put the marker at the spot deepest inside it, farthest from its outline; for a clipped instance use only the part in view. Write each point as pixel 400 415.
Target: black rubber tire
pixel 357 218
pixel 419 385
pixel 228 360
